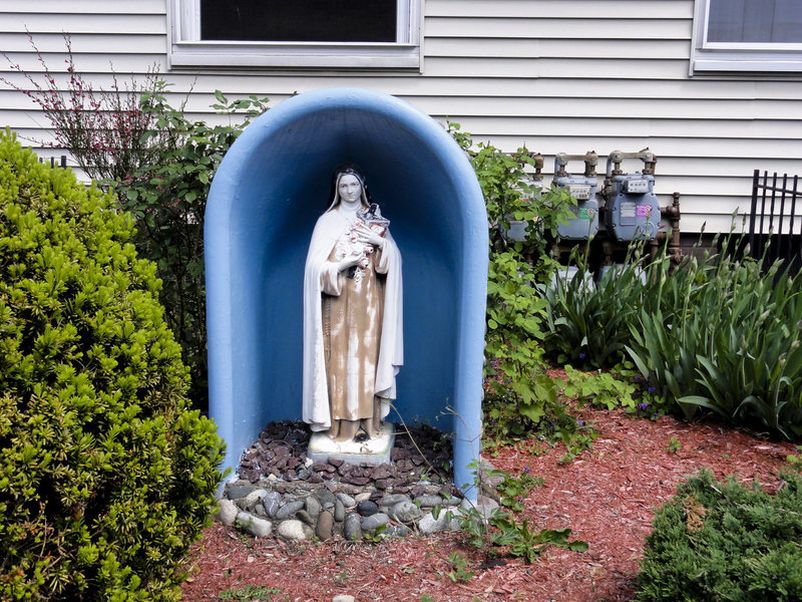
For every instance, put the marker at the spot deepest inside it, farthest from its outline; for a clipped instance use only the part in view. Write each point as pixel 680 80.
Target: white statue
pixel 353 341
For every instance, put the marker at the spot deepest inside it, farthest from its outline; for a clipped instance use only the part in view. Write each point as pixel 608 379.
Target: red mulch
pixel 607 496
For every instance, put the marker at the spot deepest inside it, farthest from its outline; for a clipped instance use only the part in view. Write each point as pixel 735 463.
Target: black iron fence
pixel 775 227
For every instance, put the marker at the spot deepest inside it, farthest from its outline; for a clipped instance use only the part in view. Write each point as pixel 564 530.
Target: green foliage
pixel 520 396
pixel 501 533
pixel 512 490
pixel 249 592
pixel 725 541
pixel 460 571
pixel 599 389
pixel 106 476
pixel 674 445
pixel 722 336
pixel 167 196
pixel 590 324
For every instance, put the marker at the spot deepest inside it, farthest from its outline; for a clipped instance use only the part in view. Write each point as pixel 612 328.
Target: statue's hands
pixel 349 262
pixel 368 236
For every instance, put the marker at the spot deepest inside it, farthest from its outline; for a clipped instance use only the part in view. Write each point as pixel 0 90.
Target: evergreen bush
pixel 106 476
pixel 724 541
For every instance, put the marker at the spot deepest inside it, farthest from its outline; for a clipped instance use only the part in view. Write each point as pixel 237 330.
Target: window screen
pixel 299 20
pixel 755 21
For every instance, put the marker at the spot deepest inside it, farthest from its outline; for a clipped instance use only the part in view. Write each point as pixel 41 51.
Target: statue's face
pixel 350 189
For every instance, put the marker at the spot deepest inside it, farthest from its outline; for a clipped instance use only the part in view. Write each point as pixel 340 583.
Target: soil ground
pixel 607 496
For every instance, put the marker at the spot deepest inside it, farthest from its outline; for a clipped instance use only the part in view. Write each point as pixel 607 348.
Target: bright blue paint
pixel 269 190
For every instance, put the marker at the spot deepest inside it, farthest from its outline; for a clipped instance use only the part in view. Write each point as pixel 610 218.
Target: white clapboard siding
pixel 553 75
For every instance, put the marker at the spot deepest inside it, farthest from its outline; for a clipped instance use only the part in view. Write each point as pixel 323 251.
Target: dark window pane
pixel 755 21
pixel 299 20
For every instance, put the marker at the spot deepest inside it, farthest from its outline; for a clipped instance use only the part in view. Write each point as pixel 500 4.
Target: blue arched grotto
pixel 269 190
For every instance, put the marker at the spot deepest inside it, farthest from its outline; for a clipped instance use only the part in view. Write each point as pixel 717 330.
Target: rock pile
pixel 280 491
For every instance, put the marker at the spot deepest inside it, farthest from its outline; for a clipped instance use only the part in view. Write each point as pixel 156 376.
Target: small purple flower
pixel 526 470
pixel 582 355
pixel 652 389
pixel 580 422
pixel 638 378
pixel 643 406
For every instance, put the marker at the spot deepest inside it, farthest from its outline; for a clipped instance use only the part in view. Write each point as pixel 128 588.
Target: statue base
pixel 373 451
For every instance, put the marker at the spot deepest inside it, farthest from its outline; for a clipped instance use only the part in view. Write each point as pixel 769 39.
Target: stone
pixel 343 598
pixel 305 517
pixel 429 501
pixel 239 489
pixel 353 528
pixel 292 529
pixel 289 509
pixel 374 521
pixel 249 502
pixel 313 507
pixel 339 511
pixel 367 508
pixel 428 524
pixel 271 503
pixel 325 497
pixel 405 512
pixel 227 514
pixel 391 499
pixel 451 501
pixel 325 523
pixel 361 497
pixel 346 500
pixel 258 527
pixel 396 530
pixel 484 505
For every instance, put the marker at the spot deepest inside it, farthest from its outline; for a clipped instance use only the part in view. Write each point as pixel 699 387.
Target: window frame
pixel 187 51
pixel 735 57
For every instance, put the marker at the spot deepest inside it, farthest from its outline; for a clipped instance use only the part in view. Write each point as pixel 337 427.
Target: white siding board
pixel 552 48
pixel 640 68
pixel 92 43
pixel 561 9
pixel 77 23
pixel 581 30
pixel 558 75
pixel 86 7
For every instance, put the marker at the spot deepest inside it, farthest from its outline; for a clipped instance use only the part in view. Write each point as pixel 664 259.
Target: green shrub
pixel 721 335
pixel 724 541
pixel 106 477
pixel 520 393
pixel 590 324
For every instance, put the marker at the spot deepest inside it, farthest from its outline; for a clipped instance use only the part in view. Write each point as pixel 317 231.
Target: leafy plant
pixel 599 389
pixel 513 489
pixel 499 533
pixel 161 165
pixel 674 445
pixel 590 324
pixel 520 395
pixel 167 195
pixel 724 541
pixel 249 592
pixel 106 476
pixel 460 571
pixel 721 335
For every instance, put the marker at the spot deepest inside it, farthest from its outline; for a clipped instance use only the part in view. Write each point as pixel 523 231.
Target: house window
pixel 314 34
pixel 747 36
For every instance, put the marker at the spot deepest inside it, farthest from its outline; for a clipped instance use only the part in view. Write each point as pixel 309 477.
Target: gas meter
pixel 585 223
pixel 632 211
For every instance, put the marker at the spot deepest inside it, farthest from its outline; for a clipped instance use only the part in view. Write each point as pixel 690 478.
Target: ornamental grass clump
pixel 106 477
pixel 719 334
pixel 725 541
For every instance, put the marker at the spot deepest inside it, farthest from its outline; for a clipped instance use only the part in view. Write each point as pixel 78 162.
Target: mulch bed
pixel 607 496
